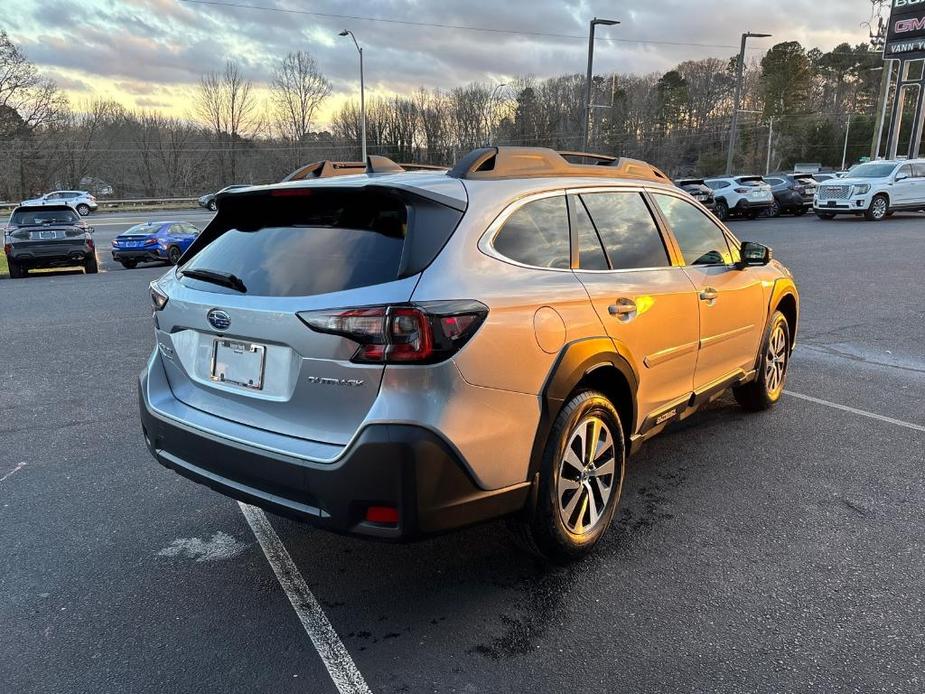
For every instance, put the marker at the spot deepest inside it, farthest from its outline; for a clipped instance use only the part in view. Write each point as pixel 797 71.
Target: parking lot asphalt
pixel 782 551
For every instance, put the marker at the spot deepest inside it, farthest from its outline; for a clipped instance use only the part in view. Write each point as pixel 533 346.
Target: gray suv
pixel 395 354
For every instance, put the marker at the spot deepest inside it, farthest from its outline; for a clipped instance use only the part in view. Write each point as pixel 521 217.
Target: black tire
pixel 212 205
pixel 765 391
pixel 16 270
pixel 721 210
pixel 83 210
pixel 544 531
pixel 173 255
pixel 129 264
pixel 774 210
pixel 91 267
pixel 879 208
pixel 825 215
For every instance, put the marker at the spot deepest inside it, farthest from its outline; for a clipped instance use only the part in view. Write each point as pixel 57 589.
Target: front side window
pixel 537 234
pixel 627 230
pixel 905 171
pixel 701 241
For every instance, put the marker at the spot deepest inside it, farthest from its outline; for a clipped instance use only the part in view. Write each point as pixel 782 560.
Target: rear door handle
pixel 623 309
pixel 708 294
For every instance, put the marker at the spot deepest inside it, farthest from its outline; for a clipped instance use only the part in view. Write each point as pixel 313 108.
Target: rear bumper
pixel 136 254
pixel 51 257
pixel 746 205
pixel 406 467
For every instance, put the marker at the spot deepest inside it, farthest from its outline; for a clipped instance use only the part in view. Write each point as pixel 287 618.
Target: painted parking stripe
pixel 18 467
pixel 854 410
pixel 337 660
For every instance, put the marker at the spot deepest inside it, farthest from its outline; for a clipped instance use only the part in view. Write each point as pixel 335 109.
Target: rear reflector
pixel 387 515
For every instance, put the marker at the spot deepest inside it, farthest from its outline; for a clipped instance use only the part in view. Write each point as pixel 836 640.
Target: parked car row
pixel 753 196
pixel 52 236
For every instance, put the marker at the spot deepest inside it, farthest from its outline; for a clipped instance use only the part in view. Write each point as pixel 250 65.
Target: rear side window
pixel 317 242
pixel 701 241
pixel 537 234
pixel 627 229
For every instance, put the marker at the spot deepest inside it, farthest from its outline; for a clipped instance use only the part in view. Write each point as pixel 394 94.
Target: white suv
pixel 747 196
pixel 875 189
pixel 80 200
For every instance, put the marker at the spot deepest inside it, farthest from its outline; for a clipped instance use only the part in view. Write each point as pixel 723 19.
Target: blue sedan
pixel 153 241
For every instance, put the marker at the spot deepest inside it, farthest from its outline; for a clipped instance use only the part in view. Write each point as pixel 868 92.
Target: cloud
pixel 144 45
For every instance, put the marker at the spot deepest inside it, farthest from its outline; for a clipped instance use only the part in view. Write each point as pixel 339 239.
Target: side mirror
pixel 754 254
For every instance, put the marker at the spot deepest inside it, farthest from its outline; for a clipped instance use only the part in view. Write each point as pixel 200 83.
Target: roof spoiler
pixel 491 163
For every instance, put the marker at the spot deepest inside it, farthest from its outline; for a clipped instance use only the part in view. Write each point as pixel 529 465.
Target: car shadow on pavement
pixel 476 590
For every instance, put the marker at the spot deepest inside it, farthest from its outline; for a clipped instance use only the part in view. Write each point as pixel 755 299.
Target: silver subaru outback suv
pixel 395 354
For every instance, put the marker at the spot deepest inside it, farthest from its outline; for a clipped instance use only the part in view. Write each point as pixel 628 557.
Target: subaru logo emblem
pixel 219 319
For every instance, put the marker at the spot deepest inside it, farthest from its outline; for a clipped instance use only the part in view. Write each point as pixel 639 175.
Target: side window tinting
pixel 537 234
pixel 627 229
pixel 701 241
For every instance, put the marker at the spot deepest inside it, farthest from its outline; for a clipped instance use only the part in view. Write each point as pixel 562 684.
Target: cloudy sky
pixel 151 53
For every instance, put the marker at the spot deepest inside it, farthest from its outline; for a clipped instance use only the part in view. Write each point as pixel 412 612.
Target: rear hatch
pixel 236 348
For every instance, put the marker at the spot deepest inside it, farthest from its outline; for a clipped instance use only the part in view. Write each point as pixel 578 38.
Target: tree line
pixel 678 120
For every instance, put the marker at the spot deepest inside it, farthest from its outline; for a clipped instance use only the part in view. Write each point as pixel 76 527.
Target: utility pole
pixel 767 166
pixel 740 66
pixel 587 110
pixel 844 152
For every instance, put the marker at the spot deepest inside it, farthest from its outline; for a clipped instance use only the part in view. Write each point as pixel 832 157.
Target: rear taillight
pixel 741 190
pixel 8 248
pixel 150 242
pixel 158 298
pixel 90 244
pixel 404 333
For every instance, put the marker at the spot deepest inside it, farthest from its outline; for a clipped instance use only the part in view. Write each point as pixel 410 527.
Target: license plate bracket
pixel 238 363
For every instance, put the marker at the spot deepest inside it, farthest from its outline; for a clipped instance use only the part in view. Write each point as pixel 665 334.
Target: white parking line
pixel 854 410
pixel 337 660
pixel 18 467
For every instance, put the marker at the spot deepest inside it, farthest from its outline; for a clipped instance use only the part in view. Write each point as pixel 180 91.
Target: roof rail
pixel 423 167
pixel 492 163
pixel 325 169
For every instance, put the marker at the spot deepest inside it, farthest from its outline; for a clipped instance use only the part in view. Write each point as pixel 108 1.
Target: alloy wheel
pixel 775 362
pixel 586 475
pixel 878 208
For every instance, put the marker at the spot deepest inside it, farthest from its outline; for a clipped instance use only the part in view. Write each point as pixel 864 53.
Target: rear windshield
pixel 42 216
pixel 326 242
pixel 142 229
pixel 749 181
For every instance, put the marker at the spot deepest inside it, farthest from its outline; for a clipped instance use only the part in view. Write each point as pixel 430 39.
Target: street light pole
pixel 347 32
pixel 740 65
pixel 586 130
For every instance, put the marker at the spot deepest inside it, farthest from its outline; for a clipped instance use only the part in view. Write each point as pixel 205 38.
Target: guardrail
pixel 117 204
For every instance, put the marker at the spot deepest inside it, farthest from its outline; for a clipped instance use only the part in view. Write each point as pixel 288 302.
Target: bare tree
pixel 226 104
pixel 297 90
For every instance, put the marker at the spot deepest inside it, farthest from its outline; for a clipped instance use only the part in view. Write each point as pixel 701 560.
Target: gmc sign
pixel 905 36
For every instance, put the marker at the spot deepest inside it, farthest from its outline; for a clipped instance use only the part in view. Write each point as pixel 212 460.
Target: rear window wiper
pixel 225 279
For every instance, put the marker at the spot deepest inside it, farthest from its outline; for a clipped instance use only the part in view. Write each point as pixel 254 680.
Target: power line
pixel 456 27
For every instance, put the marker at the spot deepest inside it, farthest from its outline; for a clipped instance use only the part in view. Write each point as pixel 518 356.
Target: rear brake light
pixel 741 190
pixel 404 333
pixel 158 298
pixel 387 515
pixel 8 248
pixel 150 242
pixel 90 244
